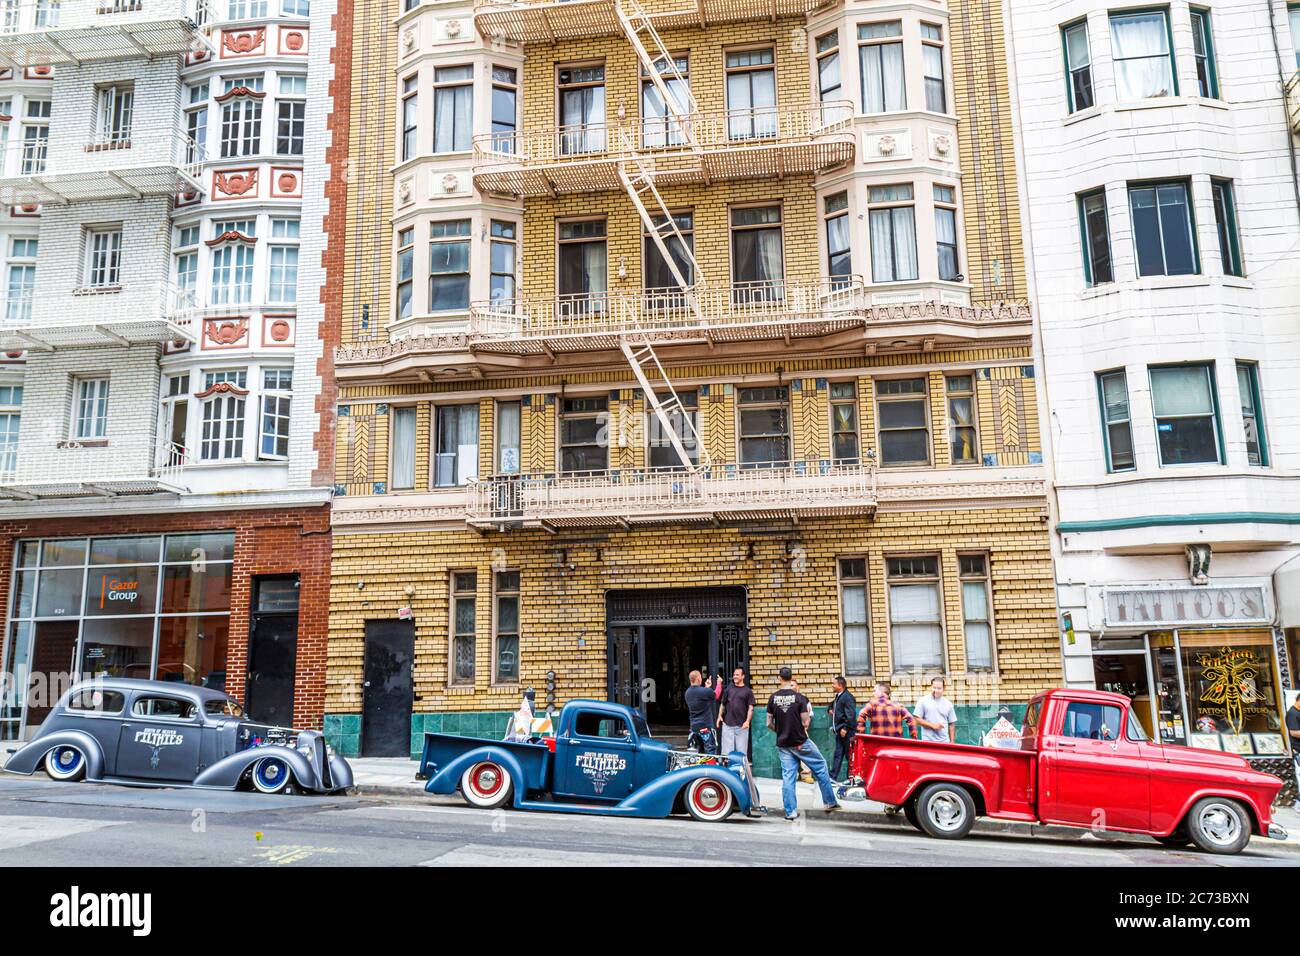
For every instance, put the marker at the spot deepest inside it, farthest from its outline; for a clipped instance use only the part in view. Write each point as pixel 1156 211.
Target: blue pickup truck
pixel 602 759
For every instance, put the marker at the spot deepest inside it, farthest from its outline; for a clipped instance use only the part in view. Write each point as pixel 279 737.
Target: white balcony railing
pixel 128 314
pixel 78 31
pixel 665 494
pixel 171 463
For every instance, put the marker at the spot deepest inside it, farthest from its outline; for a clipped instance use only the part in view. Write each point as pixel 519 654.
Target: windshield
pixel 638 722
pixel 223 708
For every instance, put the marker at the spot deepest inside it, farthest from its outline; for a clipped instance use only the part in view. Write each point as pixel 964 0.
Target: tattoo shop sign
pixel 1181 607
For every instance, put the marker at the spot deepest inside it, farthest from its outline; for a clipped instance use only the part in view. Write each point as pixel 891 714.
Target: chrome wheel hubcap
pixel 1220 824
pixel 487 780
pixel 946 812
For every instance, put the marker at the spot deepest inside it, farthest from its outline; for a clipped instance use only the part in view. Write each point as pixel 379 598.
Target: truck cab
pixel 604 751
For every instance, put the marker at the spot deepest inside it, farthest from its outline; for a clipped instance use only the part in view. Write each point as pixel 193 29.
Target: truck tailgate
pixel 893 769
pixel 441 749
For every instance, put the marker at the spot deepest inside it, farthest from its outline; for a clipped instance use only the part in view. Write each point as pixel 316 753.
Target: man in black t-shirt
pixel 736 714
pixel 789 714
pixel 699 707
pixel 1293 731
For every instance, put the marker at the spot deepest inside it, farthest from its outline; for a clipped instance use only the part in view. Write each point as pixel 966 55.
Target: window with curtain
pixel 403 424
pixel 502 285
pixel 1182 399
pixel 1163 232
pixel 945 232
pixel 449 265
pixel 757 259
pixel 855 623
pixel 658 276
pixel 977 620
pixel 1143 58
pixel 1112 387
pixel 505 108
pixel 1252 421
pixel 839 256
pixel 915 612
pixel 582 110
pixel 456 451
pixel 1095 224
pixel 751 94
pixel 453 108
pixel 277 399
pixel 583 272
pixel 507 437
pixel 764 426
pixel 1078 65
pixel 936 94
pixel 844 423
pixel 410 115
pixel 658 127
pixel 405 271
pixel 963 442
pixel 880 60
pixel 903 422
pixel 892 218
pixel 1207 78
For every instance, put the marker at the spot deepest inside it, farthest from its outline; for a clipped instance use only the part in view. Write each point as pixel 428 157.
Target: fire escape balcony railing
pixel 61 473
pixel 732 144
pixel 53 32
pixel 631 496
pixel 545 21
pixel 130 164
pixel 119 316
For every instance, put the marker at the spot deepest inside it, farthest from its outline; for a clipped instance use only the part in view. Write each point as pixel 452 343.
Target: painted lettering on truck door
pixel 595 758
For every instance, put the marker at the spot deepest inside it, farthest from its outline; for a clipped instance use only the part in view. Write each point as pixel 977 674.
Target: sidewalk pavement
pixel 395 776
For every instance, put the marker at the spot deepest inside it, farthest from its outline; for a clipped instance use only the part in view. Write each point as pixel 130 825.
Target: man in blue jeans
pixel 789 713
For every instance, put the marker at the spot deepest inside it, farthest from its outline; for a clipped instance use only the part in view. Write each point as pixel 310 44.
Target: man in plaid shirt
pixel 883 717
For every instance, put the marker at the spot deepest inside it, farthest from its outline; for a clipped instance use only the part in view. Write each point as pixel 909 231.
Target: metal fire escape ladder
pixel 645 365
pixel 658 63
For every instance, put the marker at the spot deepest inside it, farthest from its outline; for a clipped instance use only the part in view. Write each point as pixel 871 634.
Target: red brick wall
pixel 274 541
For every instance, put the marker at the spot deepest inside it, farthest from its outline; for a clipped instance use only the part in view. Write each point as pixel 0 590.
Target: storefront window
pixel 192 650
pixel 1232 700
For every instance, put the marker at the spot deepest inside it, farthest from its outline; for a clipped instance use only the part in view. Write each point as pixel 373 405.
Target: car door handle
pixel 1066 743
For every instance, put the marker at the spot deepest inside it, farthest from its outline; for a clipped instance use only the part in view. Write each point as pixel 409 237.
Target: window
pixel 104 258
pixel 90 415
pixel 410 115
pixel 20 280
pixel 113 106
pixel 1116 422
pixel 1207 77
pixel 977 622
pixel 1163 229
pixel 175 419
pixel 901 414
pixel 1095 225
pixel 247 9
pixel 456 453
pixel 295 8
pixel 936 96
pixel 505 108
pixel 830 84
pixel 915 612
pixel 277 396
pixel 757 259
pixel 844 423
pixel 507 437
pixel 1252 419
pixel 1294 20
pixel 893 233
pixel 582 109
pixel 764 426
pixel 232 262
pixel 599 725
pixel 11 400
pixel 172 708
pixel 1091 721
pixel 282 272
pixel 1143 55
pixel 291 115
pixel 36 137
pixel 464 611
pixel 658 275
pixel 658 125
pixel 1182 397
pixel 880 59
pixel 187 264
pixel 98 701
pixel 505 632
pixel 405 271
pixel 1078 66
pixel 751 94
pixel 196 122
pixel 241 117
pixel 583 424
pixel 855 626
pixel 224 397
pixel 449 265
pixel 662 454
pixel 839 256
pixel 962 441
pixel 945 232
pixel 502 253
pixel 403 470
pixel 453 108
pixel 1225 222
pixel 583 266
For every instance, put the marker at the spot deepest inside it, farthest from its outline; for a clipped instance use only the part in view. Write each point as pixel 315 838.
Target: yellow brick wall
pixel 789 575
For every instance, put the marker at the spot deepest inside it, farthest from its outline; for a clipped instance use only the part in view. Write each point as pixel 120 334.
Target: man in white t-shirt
pixel 936 715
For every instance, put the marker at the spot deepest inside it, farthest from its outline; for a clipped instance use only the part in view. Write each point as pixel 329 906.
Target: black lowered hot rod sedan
pixel 159 733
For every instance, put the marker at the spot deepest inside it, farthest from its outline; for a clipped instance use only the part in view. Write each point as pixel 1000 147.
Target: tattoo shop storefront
pixel 1203 664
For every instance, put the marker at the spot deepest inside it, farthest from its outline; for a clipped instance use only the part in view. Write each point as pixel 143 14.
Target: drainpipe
pixel 1281 82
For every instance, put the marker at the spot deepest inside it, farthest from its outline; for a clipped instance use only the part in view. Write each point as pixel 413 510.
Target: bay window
pixel 945 232
pixel 241 117
pixel 1163 229
pixel 1142 54
pixel 282 272
pixel 453 108
pixel 503 253
pixel 936 93
pixel 1116 421
pixel 449 265
pixel 224 397
pixel 405 271
pixel 1186 413
pixel 1252 418
pixel 505 108
pixel 880 60
pixel 1225 222
pixel 1207 76
pixel 410 115
pixel 839 255
pixel 1095 224
pixel 291 115
pixel 893 233
pixel 830 82
pixel 1078 65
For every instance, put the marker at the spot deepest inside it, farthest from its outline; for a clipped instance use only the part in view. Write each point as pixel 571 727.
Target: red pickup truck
pixel 1083 761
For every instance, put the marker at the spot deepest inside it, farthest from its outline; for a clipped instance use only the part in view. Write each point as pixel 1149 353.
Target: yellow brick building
pixel 778 239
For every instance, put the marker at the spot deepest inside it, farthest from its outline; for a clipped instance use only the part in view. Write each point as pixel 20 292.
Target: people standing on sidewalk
pixel 1293 730
pixel 936 715
pixel 736 714
pixel 789 715
pixel 699 711
pixel 844 721
pixel 883 717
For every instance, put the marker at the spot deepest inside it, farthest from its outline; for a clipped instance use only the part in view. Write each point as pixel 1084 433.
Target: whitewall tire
pixel 486 785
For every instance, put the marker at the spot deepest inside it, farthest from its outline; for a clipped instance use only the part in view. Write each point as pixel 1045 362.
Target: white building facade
pixel 1163 215
pixel 163 190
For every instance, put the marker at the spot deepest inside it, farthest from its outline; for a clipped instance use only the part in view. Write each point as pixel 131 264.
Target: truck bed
pixel 442 749
pixel 893 769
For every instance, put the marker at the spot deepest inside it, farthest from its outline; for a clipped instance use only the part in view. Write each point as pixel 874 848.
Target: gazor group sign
pixel 1176 607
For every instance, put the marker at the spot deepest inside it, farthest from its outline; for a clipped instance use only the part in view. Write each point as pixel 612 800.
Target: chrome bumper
pixel 1276 832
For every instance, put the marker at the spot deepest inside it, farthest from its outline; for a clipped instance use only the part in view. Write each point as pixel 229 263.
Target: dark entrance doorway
pixel 273 650
pixel 386 691
pixel 657 637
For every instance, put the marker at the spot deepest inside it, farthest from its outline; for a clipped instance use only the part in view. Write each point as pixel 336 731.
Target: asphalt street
pixel 56 824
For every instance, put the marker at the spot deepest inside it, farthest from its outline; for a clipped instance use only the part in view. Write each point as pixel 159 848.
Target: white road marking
pixel 16 831
pixel 475 854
